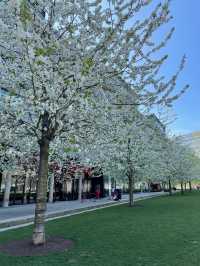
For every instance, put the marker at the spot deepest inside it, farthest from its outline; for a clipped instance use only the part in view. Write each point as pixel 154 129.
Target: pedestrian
pixel 97 193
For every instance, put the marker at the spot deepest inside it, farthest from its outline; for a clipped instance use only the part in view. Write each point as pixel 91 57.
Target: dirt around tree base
pixel 24 247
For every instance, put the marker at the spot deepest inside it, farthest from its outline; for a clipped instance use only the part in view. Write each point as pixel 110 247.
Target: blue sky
pixel 186 40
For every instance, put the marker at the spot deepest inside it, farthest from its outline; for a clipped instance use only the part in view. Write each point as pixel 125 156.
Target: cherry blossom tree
pixel 59 58
pixel 186 163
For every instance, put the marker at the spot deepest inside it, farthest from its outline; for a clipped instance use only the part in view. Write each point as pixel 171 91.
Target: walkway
pixel 21 214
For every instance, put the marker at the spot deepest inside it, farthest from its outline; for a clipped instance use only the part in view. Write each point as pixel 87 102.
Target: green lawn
pixel 162 231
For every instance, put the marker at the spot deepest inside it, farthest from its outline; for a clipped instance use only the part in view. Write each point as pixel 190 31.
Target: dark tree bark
pixel 163 186
pixel 23 192
pixel 25 187
pixel 149 187
pixel 73 187
pixel 130 174
pixel 131 189
pixel 1 177
pixel 182 191
pixel 30 189
pixel 190 185
pixel 185 186
pixel 170 187
pixel 41 194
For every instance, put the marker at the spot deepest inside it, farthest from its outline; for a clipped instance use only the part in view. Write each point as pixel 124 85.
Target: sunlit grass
pixel 163 231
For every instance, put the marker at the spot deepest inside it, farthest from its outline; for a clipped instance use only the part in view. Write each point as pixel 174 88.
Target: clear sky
pixel 186 40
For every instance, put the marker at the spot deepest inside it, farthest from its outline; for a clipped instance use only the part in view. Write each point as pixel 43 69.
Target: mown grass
pixel 162 231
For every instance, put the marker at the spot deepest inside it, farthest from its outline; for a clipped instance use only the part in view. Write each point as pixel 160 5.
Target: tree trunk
pixel 131 188
pixel 64 188
pixel 163 186
pixel 149 187
pixel 30 189
pixel 80 188
pixel 8 182
pixel 185 186
pixel 41 194
pixel 190 185
pixel 15 191
pixel 1 177
pixel 182 192
pixel 73 180
pixel 23 191
pixel 51 188
pixel 109 187
pixel 170 187
pixel 26 182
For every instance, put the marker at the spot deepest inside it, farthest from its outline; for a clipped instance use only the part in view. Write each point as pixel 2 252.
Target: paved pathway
pixel 20 214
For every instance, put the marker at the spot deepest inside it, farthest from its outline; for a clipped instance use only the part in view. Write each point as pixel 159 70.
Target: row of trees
pixel 140 150
pixel 76 74
pixel 146 154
